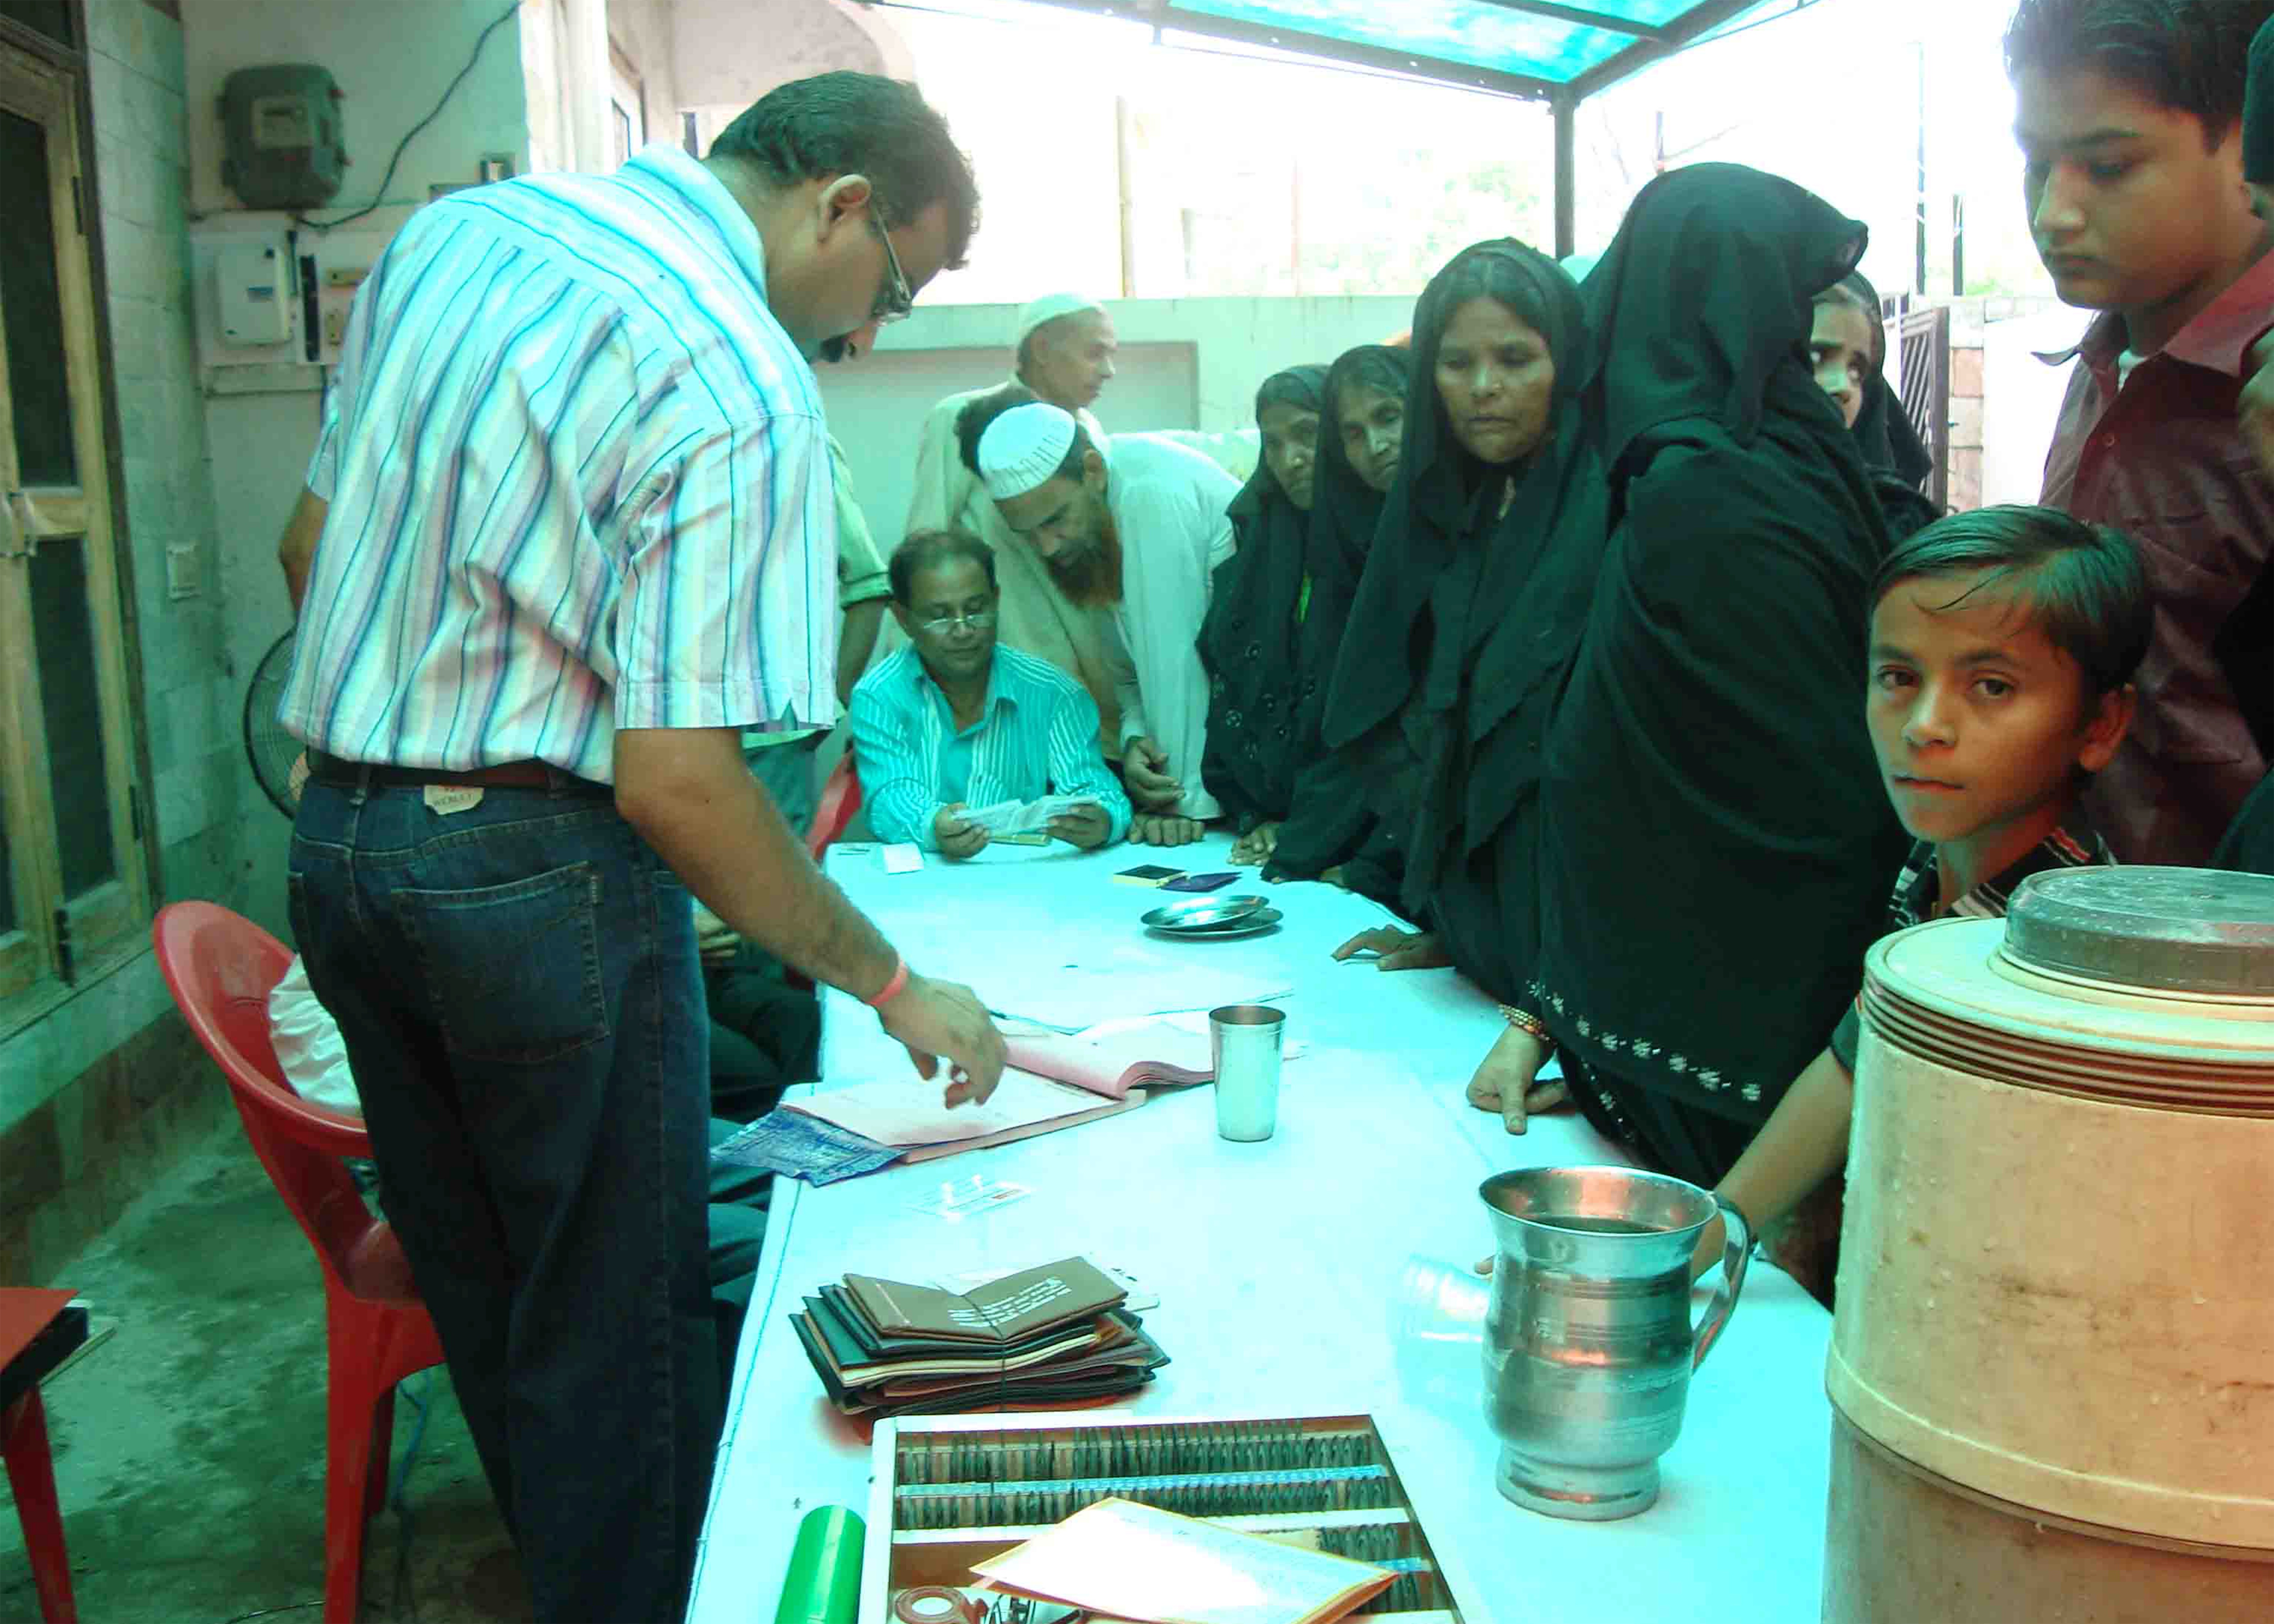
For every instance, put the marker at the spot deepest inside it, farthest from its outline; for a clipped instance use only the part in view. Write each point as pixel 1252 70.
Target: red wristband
pixel 893 989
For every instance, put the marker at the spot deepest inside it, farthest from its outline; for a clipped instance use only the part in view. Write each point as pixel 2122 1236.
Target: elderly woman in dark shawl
pixel 1332 833
pixel 1461 641
pixel 1716 843
pixel 1248 642
pixel 1847 346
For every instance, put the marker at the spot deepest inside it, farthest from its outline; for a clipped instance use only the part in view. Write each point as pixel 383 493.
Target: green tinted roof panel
pixel 1531 46
pixel 1473 33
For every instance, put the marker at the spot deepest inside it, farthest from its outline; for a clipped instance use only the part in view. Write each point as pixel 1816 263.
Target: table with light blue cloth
pixel 1285 1268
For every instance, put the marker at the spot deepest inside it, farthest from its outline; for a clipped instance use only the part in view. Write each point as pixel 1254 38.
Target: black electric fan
pixel 279 760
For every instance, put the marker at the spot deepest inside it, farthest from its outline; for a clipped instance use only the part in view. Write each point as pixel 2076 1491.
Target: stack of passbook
pixel 1045 1338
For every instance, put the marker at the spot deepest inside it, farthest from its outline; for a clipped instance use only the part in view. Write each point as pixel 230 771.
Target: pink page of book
pixel 911 1115
pixel 1154 1054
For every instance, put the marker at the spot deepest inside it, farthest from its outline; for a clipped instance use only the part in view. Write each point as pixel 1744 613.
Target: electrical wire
pixel 380 200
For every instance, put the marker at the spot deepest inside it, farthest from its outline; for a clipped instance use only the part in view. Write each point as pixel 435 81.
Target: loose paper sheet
pixel 1140 1562
pixel 1019 817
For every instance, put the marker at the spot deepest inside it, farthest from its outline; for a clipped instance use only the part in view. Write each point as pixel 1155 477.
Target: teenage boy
pixel 2003 642
pixel 2130 124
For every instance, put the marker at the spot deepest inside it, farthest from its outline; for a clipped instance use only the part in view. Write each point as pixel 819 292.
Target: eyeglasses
pixel 978 620
pixel 895 299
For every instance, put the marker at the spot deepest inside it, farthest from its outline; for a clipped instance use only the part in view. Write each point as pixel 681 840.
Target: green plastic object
pixel 823 1585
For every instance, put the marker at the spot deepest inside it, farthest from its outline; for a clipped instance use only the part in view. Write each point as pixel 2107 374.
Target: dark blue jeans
pixel 519 991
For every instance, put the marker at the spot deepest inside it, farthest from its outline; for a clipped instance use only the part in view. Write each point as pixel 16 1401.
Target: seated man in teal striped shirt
pixel 953 721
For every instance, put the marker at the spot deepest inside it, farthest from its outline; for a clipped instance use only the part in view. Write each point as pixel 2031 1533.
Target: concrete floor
pixel 190 1445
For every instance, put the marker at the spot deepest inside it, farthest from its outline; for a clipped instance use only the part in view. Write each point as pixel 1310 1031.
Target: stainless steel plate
pixel 1246 925
pixel 1203 912
pixel 2178 930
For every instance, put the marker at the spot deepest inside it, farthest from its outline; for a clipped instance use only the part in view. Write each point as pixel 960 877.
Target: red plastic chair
pixel 840 799
pixel 220 968
pixel 31 1471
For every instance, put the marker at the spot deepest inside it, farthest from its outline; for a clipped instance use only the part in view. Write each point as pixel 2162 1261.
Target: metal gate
pixel 1924 359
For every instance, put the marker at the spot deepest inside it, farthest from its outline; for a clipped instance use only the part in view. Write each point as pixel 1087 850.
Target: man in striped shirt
pixel 954 721
pixel 575 521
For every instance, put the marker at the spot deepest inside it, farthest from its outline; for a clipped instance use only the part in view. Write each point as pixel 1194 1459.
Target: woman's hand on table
pixel 1085 827
pixel 936 1019
pixel 1255 846
pixel 1149 828
pixel 1395 949
pixel 956 835
pixel 1505 1082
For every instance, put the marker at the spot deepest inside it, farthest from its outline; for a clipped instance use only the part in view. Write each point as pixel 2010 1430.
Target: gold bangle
pixel 1527 1023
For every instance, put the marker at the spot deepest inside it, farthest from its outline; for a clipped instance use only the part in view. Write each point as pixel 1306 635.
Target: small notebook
pixel 1004 1310
pixel 1128 1560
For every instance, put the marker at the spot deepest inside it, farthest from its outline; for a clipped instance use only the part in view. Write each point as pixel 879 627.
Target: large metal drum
pixel 2052 1359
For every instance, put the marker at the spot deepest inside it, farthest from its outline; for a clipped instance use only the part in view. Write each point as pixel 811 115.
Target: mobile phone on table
pixel 1146 874
pixel 1201 881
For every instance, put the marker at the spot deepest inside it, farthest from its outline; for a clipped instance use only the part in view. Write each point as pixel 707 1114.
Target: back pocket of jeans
pixel 513 970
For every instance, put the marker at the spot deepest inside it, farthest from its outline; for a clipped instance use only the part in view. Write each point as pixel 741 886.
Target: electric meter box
pixel 281 132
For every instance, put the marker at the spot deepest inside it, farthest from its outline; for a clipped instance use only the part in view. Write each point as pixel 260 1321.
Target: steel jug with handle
pixel 1588 1343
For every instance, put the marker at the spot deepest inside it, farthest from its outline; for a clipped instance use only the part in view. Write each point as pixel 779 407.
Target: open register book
pixel 1052 1082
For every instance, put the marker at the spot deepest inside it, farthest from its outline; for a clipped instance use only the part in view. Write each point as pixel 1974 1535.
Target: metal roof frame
pixel 1652 42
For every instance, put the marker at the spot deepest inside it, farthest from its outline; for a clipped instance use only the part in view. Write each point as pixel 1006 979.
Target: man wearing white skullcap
pixel 1132 527
pixel 1064 344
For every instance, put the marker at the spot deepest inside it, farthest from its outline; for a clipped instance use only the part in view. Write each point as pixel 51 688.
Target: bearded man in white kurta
pixel 1133 526
pixel 1064 349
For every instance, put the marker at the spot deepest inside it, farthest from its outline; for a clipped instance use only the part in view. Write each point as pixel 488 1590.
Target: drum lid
pixel 2194 931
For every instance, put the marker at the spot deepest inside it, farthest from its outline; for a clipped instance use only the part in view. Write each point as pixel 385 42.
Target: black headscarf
pixel 1716 846
pixel 1443 497
pixel 1330 821
pixel 1248 642
pixel 1344 509
pixel 1884 431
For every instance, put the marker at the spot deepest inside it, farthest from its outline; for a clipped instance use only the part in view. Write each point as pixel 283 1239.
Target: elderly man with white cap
pixel 1134 528
pixel 1064 349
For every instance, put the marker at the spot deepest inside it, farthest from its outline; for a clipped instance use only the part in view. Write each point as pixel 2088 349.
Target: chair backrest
pixel 840 799
pixel 220 967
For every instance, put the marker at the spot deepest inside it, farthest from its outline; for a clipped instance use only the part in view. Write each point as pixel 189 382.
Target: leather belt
pixel 506 775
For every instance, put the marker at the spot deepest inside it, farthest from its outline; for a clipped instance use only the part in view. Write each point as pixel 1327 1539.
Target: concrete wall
pixel 392 62
pixel 2021 396
pixel 730 52
pixel 1186 363
pixel 109 1086
pixel 644 31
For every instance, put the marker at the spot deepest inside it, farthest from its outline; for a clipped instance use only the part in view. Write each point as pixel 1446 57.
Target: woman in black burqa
pixel 1332 833
pixel 1847 346
pixel 1249 639
pixel 1715 842
pixel 1462 637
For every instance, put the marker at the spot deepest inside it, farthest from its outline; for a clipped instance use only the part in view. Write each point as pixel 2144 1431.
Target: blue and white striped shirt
pixel 1036 735
pixel 578 480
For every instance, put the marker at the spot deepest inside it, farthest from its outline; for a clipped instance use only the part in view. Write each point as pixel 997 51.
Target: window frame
pixel 61 943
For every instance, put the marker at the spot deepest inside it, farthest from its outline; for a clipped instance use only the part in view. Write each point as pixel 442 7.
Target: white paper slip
pixel 903 858
pixel 1019 817
pixel 1137 1562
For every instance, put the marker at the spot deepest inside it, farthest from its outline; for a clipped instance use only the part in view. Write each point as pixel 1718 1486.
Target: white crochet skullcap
pixel 1023 448
pixel 1048 308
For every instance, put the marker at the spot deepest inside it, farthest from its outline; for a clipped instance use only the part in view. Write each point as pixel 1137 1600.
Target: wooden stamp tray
pixel 946 1492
